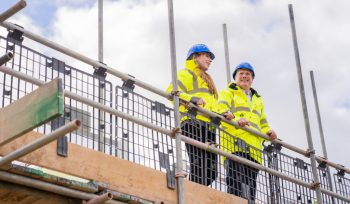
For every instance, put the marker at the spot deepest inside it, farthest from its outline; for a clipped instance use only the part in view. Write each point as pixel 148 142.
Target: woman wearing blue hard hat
pixel 244 105
pixel 196 85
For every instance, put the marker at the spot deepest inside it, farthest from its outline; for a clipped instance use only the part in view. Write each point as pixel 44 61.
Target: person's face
pixel 244 79
pixel 203 61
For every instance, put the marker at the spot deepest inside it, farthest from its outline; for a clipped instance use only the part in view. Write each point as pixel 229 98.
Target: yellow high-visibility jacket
pixel 235 100
pixel 190 84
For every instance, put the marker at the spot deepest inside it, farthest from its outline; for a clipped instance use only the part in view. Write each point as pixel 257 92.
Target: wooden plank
pixel 30 111
pixel 121 175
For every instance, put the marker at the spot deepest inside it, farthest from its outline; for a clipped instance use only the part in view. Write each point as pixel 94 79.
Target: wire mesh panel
pixel 264 187
pixel 96 128
pixel 137 143
pixel 202 166
pixel 283 191
pixel 240 179
pixel 342 185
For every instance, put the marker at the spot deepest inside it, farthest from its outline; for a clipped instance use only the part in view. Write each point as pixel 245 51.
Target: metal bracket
pixel 15 36
pixel 299 163
pixel 129 84
pixel 7 92
pixel 341 172
pixel 100 72
pixel 125 135
pixel 160 108
pixel 59 66
pixel 62 142
pixel 62 146
pixel 192 111
pixel 277 146
pixel 215 120
pixel 322 165
pixel 268 148
pixel 164 163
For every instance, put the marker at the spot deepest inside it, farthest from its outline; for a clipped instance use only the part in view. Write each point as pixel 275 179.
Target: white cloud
pixel 136 41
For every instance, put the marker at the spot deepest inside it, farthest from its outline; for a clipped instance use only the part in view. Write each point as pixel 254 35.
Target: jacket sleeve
pixel 224 101
pixel 263 122
pixel 184 83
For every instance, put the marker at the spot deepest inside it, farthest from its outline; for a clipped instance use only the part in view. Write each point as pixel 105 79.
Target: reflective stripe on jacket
pixel 235 100
pixel 190 84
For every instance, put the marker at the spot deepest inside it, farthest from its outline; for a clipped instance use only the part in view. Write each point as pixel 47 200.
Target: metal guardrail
pixel 46 68
pixel 125 77
pixel 143 145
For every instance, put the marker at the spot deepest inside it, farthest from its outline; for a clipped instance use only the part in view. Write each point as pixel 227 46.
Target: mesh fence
pixel 96 128
pixel 127 140
pixel 342 185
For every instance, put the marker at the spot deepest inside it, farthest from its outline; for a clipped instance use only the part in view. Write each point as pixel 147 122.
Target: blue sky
pixel 43 12
pixel 137 42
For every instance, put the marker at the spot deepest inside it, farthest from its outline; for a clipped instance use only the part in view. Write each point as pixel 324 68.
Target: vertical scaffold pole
pixel 320 128
pixel 100 30
pixel 227 55
pixel 179 173
pixel 101 89
pixel 304 105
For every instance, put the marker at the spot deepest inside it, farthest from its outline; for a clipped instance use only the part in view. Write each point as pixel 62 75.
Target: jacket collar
pixel 234 86
pixel 191 65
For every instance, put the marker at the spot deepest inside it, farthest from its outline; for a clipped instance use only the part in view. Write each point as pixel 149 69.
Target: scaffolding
pixel 118 121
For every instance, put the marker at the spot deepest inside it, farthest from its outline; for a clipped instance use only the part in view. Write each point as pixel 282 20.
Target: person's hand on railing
pixel 272 134
pixel 242 122
pixel 198 101
pixel 228 115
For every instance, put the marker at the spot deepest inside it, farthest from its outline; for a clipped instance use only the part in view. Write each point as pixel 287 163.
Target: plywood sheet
pixel 30 111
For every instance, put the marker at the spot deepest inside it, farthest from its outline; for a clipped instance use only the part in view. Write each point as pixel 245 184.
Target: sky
pixel 136 41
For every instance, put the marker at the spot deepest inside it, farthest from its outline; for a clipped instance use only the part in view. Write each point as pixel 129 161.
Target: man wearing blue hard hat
pixel 243 104
pixel 195 85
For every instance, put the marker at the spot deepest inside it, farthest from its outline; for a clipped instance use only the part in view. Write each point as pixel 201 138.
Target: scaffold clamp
pixel 174 93
pixel 309 152
pixel 180 174
pixel 174 131
pixel 315 185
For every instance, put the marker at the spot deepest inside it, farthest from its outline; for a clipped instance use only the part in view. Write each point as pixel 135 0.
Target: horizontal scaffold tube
pixel 100 199
pixel 49 187
pixel 59 132
pixel 5 58
pixel 153 89
pixel 11 11
pixel 169 133
pixel 85 59
pixel 87 101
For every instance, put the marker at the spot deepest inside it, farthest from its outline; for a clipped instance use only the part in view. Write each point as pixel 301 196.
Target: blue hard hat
pixel 243 65
pixel 197 48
